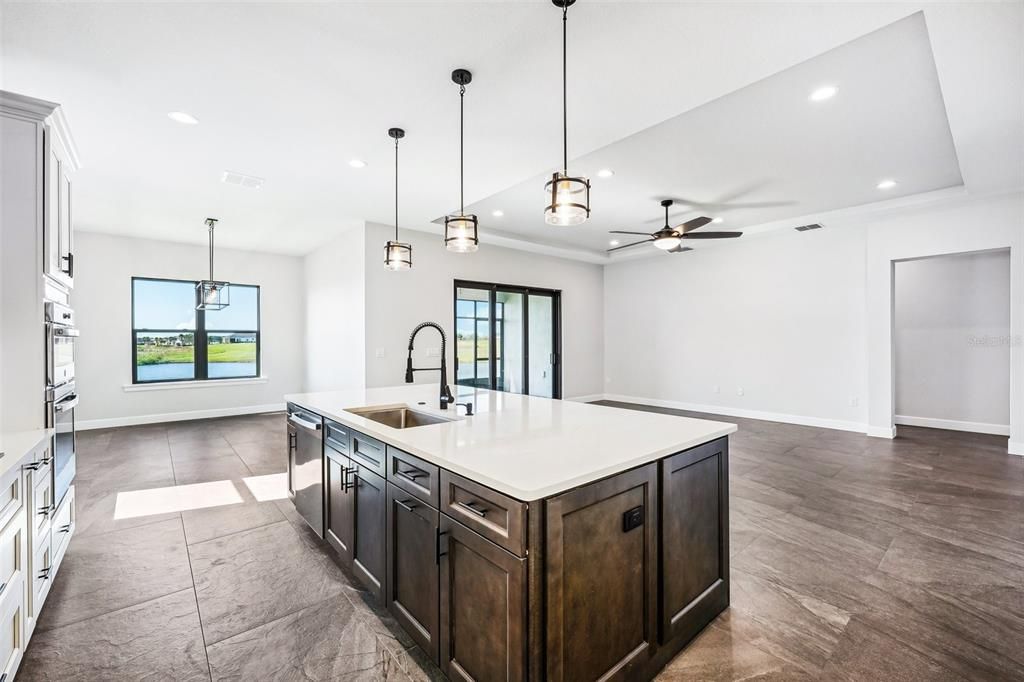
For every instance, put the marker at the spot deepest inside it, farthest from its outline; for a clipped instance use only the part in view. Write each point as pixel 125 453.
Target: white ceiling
pixel 290 92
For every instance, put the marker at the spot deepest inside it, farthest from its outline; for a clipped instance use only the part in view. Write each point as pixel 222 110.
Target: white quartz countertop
pixel 16 444
pixel 528 448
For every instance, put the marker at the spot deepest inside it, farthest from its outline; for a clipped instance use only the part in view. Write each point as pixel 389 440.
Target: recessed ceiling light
pixel 497 213
pixel 182 117
pixel 357 163
pixel 823 93
pixel 605 173
pixel 717 220
pixel 614 242
pixel 886 184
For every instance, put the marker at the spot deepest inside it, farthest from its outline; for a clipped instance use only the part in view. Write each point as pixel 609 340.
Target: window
pixel 172 341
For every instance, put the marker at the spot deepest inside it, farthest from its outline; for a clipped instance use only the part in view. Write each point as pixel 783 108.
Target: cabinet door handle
pixel 439 553
pixel 66 528
pixel 34 466
pixel 411 476
pixel 70 270
pixel 44 574
pixel 468 506
pixel 405 505
pixel 2 586
pixel 345 484
pixel 45 511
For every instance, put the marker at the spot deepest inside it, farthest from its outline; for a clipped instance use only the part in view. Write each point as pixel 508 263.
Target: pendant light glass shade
pixel 460 230
pixel 460 233
pixel 210 293
pixel 568 200
pixel 568 196
pixel 397 255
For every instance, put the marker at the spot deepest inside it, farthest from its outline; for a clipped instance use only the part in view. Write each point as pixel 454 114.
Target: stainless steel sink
pixel 399 417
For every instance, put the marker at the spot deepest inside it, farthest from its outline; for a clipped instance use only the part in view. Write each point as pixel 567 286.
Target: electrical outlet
pixel 433 352
pixel 739 390
pixel 853 401
pixel 379 353
pixel 717 389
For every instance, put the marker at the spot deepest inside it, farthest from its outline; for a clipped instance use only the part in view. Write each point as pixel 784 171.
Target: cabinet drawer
pixel 367 451
pixel 42 504
pixel 498 518
pixel 41 567
pixel 12 632
pixel 63 526
pixel 12 557
pixel 11 495
pixel 337 436
pixel 414 475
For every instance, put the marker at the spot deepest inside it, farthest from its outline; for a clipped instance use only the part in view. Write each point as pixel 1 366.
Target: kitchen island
pixel 536 539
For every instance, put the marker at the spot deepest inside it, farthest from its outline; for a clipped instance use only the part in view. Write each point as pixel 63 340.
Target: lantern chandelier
pixel 568 196
pixel 460 231
pixel 211 294
pixel 397 255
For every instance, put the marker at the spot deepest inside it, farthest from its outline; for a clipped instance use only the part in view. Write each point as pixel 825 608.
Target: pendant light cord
pixel 396 189
pixel 211 252
pixel 462 160
pixel 565 112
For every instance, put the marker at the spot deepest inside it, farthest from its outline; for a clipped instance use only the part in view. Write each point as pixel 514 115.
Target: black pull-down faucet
pixel 446 393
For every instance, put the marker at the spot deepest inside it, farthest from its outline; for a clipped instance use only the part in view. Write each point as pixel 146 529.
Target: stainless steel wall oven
pixel 61 394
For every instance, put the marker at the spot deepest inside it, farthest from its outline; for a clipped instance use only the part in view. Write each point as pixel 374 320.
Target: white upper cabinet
pixel 58 240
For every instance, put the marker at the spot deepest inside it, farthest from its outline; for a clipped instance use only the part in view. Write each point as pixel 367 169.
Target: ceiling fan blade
pixel 680 249
pixel 712 235
pixel 693 224
pixel 648 234
pixel 626 246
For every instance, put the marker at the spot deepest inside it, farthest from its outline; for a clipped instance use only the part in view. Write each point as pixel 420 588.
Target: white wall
pixel 780 317
pixel 104 266
pixel 801 321
pixel 397 301
pixel 335 335
pixel 952 336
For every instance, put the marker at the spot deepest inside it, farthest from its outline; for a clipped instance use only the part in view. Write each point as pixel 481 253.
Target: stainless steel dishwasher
pixel 306 466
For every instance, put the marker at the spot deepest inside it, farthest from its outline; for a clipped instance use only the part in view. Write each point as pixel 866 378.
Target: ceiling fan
pixel 671 238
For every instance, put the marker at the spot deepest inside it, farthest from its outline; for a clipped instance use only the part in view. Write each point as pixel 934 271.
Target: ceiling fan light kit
pixel 212 294
pixel 397 255
pixel 670 239
pixel 568 196
pixel 461 231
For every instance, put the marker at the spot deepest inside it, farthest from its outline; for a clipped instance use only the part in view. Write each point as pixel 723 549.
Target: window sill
pixel 209 383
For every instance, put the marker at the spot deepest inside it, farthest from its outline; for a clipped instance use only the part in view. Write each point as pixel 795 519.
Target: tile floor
pixel 852 559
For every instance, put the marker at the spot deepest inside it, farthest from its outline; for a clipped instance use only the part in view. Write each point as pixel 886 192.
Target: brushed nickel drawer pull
pixel 468 506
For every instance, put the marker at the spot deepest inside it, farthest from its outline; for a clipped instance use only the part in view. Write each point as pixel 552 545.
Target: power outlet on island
pixel 739 390
pixel 379 354
pixel 633 518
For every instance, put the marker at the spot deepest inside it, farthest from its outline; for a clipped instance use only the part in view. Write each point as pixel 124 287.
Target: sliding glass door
pixel 508 338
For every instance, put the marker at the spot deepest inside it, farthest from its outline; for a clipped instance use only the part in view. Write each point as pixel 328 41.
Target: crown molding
pixel 42 111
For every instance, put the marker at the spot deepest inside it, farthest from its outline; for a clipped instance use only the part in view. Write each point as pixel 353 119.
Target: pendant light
pixel 460 231
pixel 211 294
pixel 568 196
pixel 397 255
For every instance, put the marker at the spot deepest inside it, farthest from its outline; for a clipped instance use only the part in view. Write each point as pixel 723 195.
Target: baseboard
pixel 953 425
pixel 801 420
pixel 586 398
pixel 135 420
pixel 881 431
pixel 1016 447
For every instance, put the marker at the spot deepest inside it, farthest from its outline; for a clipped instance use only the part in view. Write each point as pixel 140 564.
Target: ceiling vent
pixel 805 228
pixel 241 180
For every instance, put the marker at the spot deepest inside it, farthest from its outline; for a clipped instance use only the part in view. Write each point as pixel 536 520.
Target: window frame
pixel 200 338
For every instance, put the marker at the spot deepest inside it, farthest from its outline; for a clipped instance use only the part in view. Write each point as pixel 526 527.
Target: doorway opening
pixel 508 338
pixel 952 341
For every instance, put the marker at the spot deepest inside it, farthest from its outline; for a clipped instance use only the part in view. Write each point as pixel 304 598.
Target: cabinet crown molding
pixel 43 111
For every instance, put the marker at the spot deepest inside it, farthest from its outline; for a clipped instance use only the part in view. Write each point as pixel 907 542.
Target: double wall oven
pixel 61 394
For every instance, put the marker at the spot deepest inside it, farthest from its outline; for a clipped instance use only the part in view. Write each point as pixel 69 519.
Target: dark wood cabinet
pixel 412 567
pixel 694 539
pixel 602 578
pixel 483 607
pixel 369 527
pixel 339 502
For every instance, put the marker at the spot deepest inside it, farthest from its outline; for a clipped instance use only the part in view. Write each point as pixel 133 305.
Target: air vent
pixel 812 226
pixel 241 180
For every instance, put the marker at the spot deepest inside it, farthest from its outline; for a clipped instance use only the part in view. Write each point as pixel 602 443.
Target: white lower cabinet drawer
pixel 42 505
pixel 62 527
pixel 41 571
pixel 12 552
pixel 12 627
